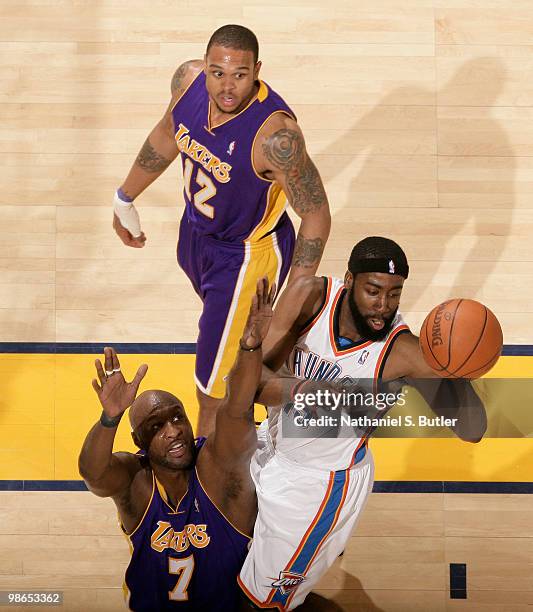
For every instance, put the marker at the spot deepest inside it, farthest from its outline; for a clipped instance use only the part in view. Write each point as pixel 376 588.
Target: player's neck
pixel 175 482
pixel 217 116
pixel 347 328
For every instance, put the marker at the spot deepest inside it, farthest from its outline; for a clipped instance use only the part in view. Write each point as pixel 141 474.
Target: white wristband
pixel 127 215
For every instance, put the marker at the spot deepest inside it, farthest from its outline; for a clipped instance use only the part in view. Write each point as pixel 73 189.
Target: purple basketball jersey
pixel 185 558
pixel 224 196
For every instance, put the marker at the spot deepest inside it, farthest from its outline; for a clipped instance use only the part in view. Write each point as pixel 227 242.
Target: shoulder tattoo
pixel 176 85
pixel 285 149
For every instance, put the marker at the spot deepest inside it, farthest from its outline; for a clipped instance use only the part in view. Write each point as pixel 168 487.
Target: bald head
pixel 149 402
pixel 159 421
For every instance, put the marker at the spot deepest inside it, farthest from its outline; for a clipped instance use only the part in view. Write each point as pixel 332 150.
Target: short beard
pixel 169 465
pixel 364 329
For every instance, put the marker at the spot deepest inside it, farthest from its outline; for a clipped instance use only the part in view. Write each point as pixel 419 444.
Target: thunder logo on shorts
pixel 287 582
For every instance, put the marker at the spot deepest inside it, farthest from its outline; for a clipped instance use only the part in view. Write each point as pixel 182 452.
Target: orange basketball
pixel 461 339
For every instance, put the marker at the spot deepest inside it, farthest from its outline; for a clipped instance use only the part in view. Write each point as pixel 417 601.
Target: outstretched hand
pixel 114 393
pixel 260 315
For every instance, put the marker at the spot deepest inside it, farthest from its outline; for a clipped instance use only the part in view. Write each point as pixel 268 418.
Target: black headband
pixel 386 265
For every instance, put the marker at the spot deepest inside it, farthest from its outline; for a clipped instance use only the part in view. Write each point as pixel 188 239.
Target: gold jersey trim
pixel 125 589
pixel 284 112
pixel 164 495
pixel 261 96
pixel 128 535
pixel 276 204
pixel 225 517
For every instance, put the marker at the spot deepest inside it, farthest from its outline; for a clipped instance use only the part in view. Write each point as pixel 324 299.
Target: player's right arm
pixel 157 153
pixel 109 474
pixel 296 305
pixel 454 399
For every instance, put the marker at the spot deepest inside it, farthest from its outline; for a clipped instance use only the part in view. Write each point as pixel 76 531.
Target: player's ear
pixel 257 68
pixel 136 440
pixel 348 280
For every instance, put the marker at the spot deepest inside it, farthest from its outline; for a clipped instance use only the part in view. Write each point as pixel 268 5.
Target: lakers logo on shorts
pixel 287 582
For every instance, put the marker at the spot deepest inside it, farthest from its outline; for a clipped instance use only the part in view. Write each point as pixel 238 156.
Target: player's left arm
pixel 447 397
pixel 280 154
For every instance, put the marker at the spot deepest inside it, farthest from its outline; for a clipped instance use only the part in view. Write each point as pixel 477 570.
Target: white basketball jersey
pixel 318 356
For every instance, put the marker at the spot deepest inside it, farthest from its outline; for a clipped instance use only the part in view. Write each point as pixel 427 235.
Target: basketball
pixel 461 339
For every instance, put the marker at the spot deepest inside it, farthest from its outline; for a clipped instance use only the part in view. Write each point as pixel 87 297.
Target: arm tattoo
pixel 150 160
pixel 285 149
pixel 307 252
pixel 176 83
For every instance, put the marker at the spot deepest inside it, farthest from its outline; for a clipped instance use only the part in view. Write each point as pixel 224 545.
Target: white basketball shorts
pixel 305 517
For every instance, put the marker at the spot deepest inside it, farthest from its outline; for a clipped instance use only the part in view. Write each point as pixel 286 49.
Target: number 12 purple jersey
pixel 225 197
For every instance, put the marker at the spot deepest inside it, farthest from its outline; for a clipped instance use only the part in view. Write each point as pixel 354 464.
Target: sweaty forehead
pixel 226 56
pixel 150 404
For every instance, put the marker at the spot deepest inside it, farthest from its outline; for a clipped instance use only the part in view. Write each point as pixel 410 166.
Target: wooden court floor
pixel 418 115
pixel 397 559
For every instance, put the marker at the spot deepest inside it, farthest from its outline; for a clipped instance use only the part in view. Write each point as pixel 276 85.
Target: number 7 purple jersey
pixel 225 197
pixel 185 558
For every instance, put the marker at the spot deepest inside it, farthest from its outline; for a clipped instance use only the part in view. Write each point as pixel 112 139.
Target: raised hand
pixel 114 393
pixel 260 315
